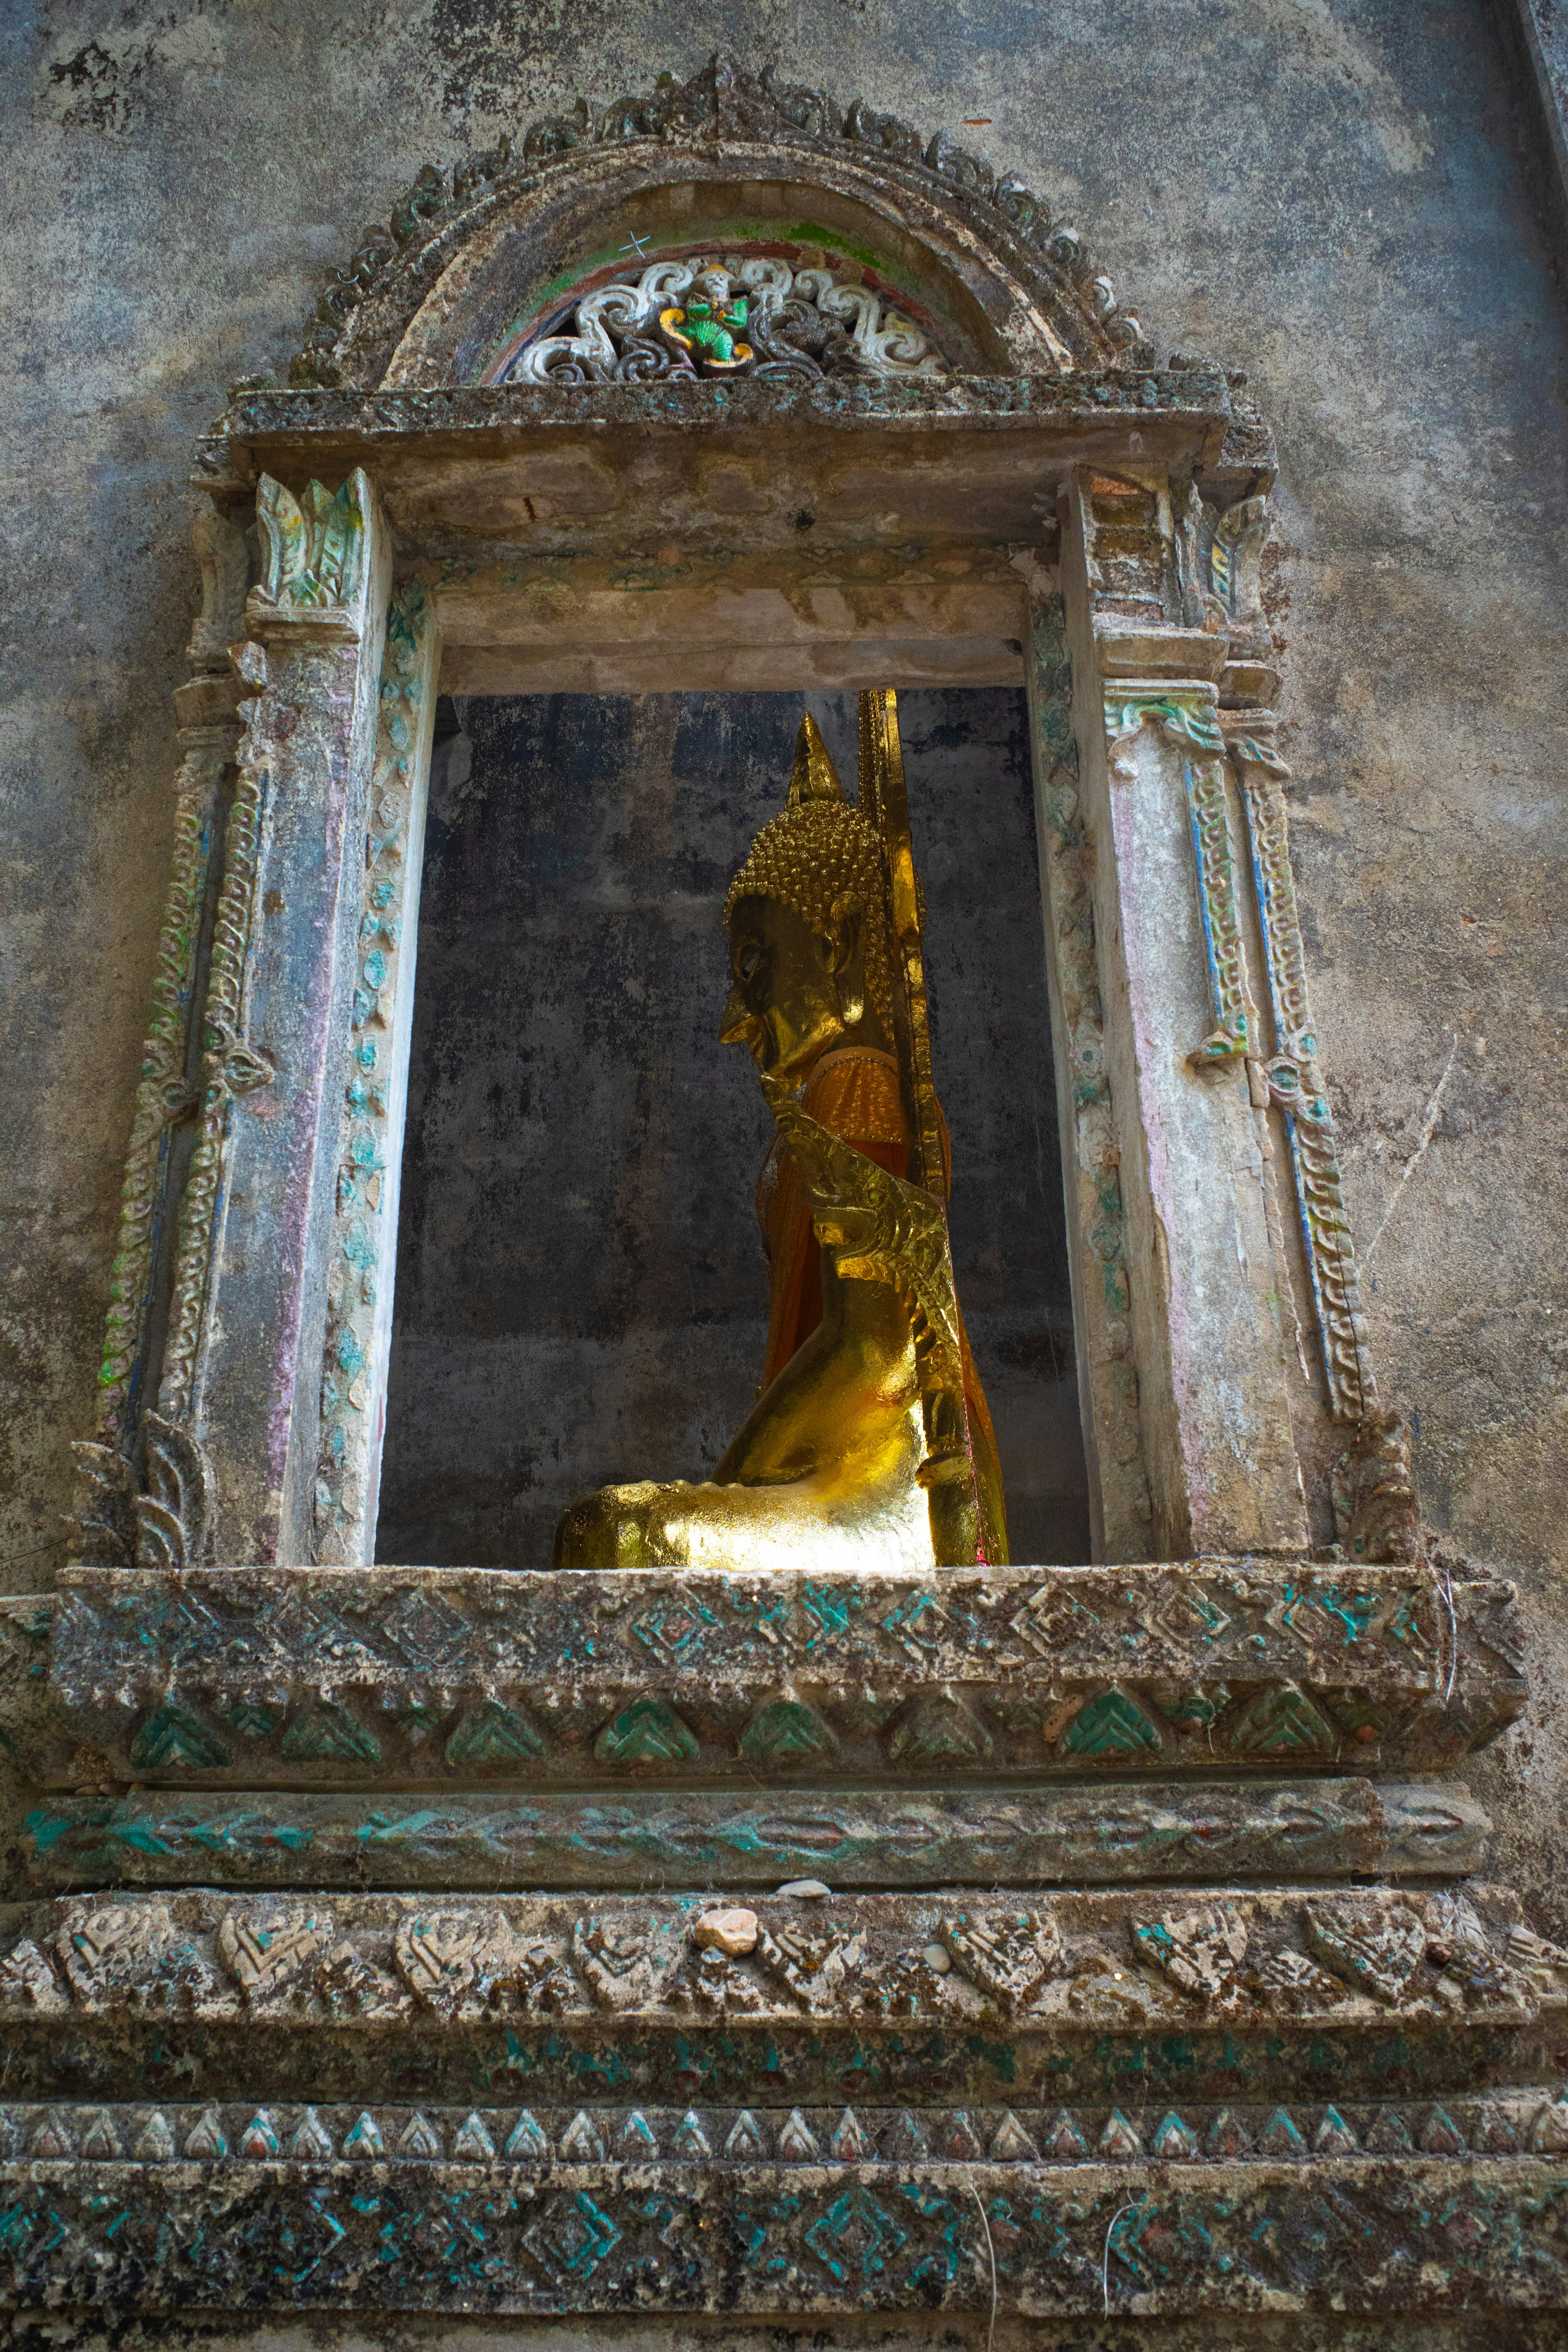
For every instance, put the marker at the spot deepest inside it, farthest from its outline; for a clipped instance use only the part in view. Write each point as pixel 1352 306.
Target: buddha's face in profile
pixel 794 991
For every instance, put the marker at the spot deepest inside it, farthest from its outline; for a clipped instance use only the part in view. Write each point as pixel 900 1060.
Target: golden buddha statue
pixel 870 1444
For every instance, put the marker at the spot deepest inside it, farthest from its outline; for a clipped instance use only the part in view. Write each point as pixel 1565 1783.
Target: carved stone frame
pixel 1061 514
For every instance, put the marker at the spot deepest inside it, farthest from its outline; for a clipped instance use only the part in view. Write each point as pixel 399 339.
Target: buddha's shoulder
pixel 855 1092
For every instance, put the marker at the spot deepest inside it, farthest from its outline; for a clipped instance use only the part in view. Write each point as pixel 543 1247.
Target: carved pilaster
pixel 1292 1078
pixel 230 1065
pixel 249 1308
pixel 364 1241
pixel 1372 1490
pixel 1122 1517
pixel 109 1496
pixel 1210 1342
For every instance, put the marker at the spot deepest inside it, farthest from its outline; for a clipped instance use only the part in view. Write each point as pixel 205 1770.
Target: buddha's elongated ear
pixel 847 916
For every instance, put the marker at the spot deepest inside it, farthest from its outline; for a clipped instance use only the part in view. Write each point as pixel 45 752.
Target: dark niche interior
pixel 582 1294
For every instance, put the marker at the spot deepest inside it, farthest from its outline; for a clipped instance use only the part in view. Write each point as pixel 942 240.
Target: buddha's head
pixel 810 958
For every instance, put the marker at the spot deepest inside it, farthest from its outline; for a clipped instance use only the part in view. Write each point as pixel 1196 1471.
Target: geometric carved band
pixel 234 2133
pixel 1013 1835
pixel 491 1676
pixel 1375 2234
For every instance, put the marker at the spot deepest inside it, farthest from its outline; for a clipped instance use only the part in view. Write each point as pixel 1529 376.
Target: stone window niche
pixel 580 1290
pixel 928 449
pixel 437 1211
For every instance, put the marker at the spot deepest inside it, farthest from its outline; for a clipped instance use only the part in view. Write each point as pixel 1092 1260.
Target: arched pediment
pixel 888 226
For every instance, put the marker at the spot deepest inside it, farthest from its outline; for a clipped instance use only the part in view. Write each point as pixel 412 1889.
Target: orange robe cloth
pixel 855 1094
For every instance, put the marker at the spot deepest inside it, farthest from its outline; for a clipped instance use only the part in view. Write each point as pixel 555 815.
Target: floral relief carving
pixel 315 544
pixel 1097 1957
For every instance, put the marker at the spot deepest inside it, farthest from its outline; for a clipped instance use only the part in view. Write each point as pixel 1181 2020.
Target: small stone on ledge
pixel 731 1932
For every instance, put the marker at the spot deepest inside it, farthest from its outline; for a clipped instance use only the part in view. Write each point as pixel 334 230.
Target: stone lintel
pixel 621 467
pixel 777 618
pixel 704 665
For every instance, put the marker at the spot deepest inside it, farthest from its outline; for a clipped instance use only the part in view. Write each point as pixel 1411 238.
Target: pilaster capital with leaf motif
pixel 1185 710
pixel 316 579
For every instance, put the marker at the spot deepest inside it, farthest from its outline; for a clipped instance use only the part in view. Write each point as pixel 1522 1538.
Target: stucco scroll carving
pixel 799 323
pixel 1189 723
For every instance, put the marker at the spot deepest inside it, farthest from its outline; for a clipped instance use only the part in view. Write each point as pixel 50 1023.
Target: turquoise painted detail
pixel 1284 1722
pixel 905 1620
pixel 672 1627
pixel 945 2259
pixel 649 1731
pixel 783 1728
pixel 416 1722
pixel 856 2232
pixel 573 2236
pixel 328 1733
pixel 940 1730
pixel 171 1736
pixel 1280 2137
pixel 364 2140
pixel 1355 1610
pixel 251 1722
pixel 493 1734
pixel 831 1606
pixel 46 1829
pixel 1125 2239
pixel 1111 1725
pixel 1405 1625
pixel 1201 1611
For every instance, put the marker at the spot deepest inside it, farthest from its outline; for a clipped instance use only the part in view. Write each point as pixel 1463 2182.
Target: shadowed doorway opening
pixel 581 1295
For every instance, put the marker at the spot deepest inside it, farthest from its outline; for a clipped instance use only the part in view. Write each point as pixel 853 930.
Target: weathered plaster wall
pixel 1327 193
pixel 581 1295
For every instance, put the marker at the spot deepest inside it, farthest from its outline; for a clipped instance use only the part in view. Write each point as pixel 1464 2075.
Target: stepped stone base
pixel 1151 1986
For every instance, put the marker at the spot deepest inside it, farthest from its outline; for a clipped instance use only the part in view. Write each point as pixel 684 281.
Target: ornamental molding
pixel 904 1837
pixel 388 2229
pixel 1133 1960
pixel 363 1241
pixel 334 1675
pixel 229 2134
pixel 1001 225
